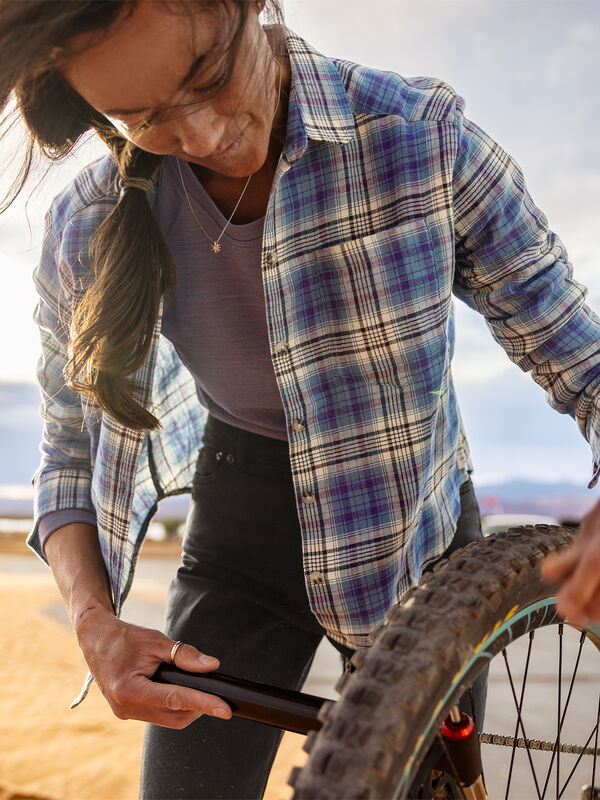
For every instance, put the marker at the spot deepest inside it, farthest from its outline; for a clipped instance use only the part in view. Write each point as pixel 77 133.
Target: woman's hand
pixel 578 570
pixel 123 657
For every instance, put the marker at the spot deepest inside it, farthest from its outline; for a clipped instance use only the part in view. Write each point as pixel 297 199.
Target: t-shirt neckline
pixel 203 202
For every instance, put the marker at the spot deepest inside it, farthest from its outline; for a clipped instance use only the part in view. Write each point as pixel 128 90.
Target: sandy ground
pixel 46 751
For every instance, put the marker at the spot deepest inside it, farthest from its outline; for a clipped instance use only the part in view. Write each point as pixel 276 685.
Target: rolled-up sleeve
pixel 63 479
pixel 515 271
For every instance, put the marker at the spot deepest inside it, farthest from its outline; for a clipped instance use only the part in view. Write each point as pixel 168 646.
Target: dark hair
pixel 113 323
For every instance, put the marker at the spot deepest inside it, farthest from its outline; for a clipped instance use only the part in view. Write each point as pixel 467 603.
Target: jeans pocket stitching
pixel 219 467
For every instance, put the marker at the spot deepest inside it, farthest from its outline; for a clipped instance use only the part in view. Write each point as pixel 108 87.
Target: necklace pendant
pixel 216 247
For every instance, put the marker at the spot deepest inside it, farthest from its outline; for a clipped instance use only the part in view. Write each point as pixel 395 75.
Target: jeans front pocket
pixel 211 462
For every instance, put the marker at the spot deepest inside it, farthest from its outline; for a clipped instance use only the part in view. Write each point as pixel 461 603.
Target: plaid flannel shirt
pixel 386 199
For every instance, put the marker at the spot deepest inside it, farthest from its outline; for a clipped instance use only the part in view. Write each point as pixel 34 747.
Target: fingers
pixel 579 597
pixel 578 569
pixel 558 566
pixel 190 658
pixel 165 704
pixel 124 657
pixel 175 706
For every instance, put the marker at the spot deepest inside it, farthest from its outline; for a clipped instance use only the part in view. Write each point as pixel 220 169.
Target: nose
pixel 200 133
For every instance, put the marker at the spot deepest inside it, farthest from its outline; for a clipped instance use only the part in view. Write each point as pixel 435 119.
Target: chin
pixel 238 166
pixel 242 169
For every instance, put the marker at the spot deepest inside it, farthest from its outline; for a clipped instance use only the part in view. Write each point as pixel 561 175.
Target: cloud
pixel 578 53
pixel 513 430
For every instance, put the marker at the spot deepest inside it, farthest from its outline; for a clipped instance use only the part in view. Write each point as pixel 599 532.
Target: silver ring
pixel 174 650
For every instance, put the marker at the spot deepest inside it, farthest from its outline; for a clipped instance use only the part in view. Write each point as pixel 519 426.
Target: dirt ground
pixel 46 751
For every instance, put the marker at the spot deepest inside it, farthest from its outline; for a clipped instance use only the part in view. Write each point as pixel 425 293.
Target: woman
pixel 289 228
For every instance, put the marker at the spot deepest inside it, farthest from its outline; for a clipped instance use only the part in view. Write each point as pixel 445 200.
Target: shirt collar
pixel 318 107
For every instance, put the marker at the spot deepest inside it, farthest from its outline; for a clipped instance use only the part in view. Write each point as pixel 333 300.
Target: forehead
pixel 145 54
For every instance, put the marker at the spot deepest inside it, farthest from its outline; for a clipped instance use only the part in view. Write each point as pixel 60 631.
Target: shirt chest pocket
pixel 378 307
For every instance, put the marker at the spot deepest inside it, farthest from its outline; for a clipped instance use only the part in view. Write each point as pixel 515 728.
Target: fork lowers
pixel 462 752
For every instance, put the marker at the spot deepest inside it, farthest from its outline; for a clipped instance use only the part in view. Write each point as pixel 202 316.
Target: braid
pixel 114 322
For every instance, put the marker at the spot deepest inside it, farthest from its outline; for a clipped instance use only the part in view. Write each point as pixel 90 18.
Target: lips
pixel 230 148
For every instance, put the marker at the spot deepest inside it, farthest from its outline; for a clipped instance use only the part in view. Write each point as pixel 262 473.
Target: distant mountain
pixel 20 431
pixel 561 500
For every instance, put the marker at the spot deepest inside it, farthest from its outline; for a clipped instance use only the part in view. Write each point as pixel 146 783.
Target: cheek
pixel 159 142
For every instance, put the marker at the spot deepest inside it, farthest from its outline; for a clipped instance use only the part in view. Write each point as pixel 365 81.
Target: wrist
pixel 91 615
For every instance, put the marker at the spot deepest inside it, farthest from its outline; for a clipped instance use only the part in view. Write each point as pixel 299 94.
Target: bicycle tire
pixel 434 644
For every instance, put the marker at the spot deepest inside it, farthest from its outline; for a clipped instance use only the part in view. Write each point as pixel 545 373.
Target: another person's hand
pixel 577 569
pixel 123 657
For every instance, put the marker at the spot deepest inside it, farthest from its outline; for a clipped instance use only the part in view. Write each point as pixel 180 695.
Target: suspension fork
pixel 462 754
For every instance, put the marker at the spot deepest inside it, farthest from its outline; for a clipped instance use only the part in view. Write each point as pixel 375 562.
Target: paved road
pixel 146 607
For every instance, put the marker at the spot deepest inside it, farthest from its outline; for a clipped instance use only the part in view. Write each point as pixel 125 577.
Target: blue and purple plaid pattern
pixel 386 200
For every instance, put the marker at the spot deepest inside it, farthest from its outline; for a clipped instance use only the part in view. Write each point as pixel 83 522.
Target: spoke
pixel 514 749
pixel 595 747
pixel 588 740
pixel 557 748
pixel 520 723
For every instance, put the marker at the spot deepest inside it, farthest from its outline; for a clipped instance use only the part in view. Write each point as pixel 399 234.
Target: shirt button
pixel 316 578
pixel 281 348
pixel 298 425
pixel 308 497
pixel 269 259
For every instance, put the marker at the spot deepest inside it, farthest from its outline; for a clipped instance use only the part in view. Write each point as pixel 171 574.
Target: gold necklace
pixel 215 243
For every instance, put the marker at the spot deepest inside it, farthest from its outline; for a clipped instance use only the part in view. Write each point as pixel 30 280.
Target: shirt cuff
pixel 56 519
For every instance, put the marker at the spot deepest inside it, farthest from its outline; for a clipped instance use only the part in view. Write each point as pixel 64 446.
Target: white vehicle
pixel 493 523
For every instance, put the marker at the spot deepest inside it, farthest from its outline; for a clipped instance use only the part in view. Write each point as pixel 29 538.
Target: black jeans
pixel 240 595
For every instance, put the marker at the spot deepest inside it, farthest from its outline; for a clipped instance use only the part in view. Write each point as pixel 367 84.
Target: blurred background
pixel 530 74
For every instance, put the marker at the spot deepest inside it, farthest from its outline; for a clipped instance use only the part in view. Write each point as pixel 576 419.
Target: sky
pixel 530 74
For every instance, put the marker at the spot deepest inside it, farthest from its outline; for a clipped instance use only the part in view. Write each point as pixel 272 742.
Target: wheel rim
pixel 551 778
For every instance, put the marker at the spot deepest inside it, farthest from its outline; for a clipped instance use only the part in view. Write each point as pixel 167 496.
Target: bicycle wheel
pixel 379 740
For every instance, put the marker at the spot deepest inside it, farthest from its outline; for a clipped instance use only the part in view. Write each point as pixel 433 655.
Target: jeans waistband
pixel 245 445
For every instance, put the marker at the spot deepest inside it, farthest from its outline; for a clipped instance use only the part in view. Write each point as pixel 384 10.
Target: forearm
pixel 74 555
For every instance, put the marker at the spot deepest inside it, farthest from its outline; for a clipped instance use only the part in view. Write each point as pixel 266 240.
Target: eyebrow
pixel 193 69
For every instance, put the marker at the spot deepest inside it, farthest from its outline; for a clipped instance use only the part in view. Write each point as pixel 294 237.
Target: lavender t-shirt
pixel 216 318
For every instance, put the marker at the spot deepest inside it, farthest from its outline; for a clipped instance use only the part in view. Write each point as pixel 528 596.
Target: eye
pixel 141 127
pixel 208 87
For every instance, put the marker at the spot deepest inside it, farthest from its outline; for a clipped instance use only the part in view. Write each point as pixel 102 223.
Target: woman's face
pixel 149 77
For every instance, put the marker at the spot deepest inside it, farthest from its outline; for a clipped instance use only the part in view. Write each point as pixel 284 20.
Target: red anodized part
pixel 458 731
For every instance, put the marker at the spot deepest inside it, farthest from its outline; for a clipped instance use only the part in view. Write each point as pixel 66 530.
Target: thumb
pixel 188 657
pixel 558 566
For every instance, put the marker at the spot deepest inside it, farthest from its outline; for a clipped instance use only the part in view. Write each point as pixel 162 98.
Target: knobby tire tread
pixel 373 729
